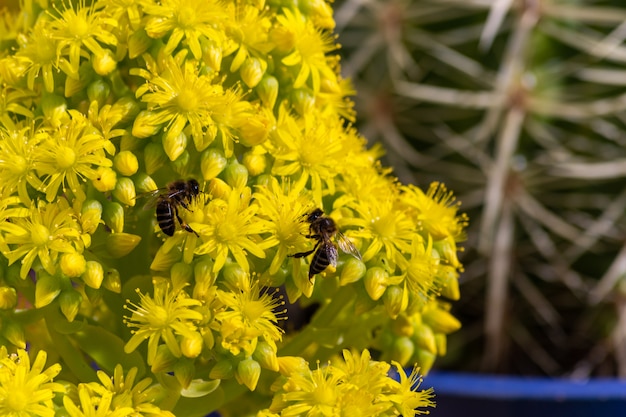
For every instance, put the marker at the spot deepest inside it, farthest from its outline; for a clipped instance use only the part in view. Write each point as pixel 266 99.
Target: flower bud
pixel 54 109
pixel 174 145
pixel 105 180
pixel 376 279
pixel 125 191
pixel 113 216
pixel 91 216
pixel 424 337
pixel 255 163
pixel 396 300
pixel 425 360
pixel 47 289
pixel 289 365
pixel 203 272
pixel 138 43
pixel 163 361
pixel 248 373
pixel 145 126
pixel 8 298
pixel 207 336
pixel 219 189
pixel 103 64
pixel 265 354
pixel 112 281
pixel 181 274
pixel 126 163
pixel 236 277
pixel 212 162
pixel 14 333
pixel 70 301
pixel 402 350
pixel 128 108
pixel 121 244
pixel 184 371
pixel 73 264
pixel 441 342
pixel 98 91
pixel 94 274
pixel 191 345
pixel 352 271
pixel 303 101
pixel 211 54
pixel 402 326
pixel 154 157
pixel 236 175
pixel 255 130
pixel 252 71
pixel 182 165
pixel 449 283
pixel 144 183
pixel 441 321
pixel 267 90
pixel 222 370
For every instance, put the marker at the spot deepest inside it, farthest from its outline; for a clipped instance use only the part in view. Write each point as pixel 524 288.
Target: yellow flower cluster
pixel 230 121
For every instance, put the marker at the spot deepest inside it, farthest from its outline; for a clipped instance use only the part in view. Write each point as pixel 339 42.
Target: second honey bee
pixel 323 229
pixel 179 193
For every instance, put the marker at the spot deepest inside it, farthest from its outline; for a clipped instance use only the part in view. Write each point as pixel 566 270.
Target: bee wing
pixel 347 246
pixel 331 253
pixel 153 197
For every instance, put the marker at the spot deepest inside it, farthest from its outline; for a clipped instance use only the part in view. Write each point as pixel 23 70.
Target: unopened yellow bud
pixel 145 126
pixel 212 162
pixel 219 189
pixel 425 360
pixel 424 337
pixel 174 145
pixel 105 179
pixel 352 271
pixel 126 163
pixel 203 272
pixel 73 264
pixel 113 216
pixel 98 91
pixel 127 107
pixel 252 71
pixel 163 361
pixel 288 365
pixel 54 109
pixel 91 216
pixel 376 281
pixel 112 281
pixel 181 274
pixel 154 157
pixel 267 90
pixel 182 165
pixel 191 345
pixel 255 163
pixel 14 333
pixel 449 282
pixel 265 354
pixel 8 298
pixel 47 289
pixel 441 321
pixel 184 371
pixel 103 64
pixel 70 301
pixel 396 300
pixel 124 191
pixel 121 244
pixel 144 183
pixel 248 373
pixel 402 326
pixel 442 344
pixel 138 43
pixel 303 101
pixel 236 277
pixel 236 175
pixel 255 130
pixel 211 54
pixel 94 274
pixel 402 350
pixel 222 370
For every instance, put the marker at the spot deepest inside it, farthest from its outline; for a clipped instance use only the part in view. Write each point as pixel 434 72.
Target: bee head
pixel 194 187
pixel 314 215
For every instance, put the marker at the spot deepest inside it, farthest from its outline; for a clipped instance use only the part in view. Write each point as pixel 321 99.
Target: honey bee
pixel 323 229
pixel 179 193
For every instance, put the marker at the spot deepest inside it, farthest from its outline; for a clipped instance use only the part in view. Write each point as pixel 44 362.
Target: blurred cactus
pixel 520 107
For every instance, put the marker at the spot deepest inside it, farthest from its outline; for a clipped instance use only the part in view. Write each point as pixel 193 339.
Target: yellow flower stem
pixel 72 357
pixel 324 318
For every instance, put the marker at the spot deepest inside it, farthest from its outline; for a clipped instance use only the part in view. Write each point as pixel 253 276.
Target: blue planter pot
pixel 475 395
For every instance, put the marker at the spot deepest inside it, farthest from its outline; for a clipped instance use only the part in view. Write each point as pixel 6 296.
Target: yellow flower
pixel 27 390
pixel 167 314
pixel 248 28
pixel 41 50
pixel 93 405
pixel 407 399
pixel 18 150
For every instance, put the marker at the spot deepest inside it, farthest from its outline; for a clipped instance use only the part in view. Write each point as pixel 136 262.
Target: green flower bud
pixel 255 130
pixel 94 274
pixel 73 264
pixel 113 216
pixel 402 350
pixel 209 339
pixel 181 274
pixel 121 244
pixel 144 183
pixel 138 43
pixel 236 175
pixel 106 179
pixel 184 371
pixel 235 276
pixel 449 282
pixel 252 71
pixel 352 271
pixel 126 163
pixel 212 162
pixel 70 301
pixel 103 64
pixel 248 373
pixel 396 300
pixel 8 298
pixel 424 337
pixel 376 280
pixel 424 359
pixel 47 289
pixel 191 346
pixel 303 101
pixel 164 360
pixel 91 216
pixel 441 321
pixel 125 191
pixel 174 145
pixel 219 189
pixel 54 109
pixel 14 333
pixel 145 126
pixel 442 344
pixel 112 281
pixel 128 108
pixel 154 157
pixel 76 83
pixel 267 90
pixel 203 271
pixel 222 370
pixel 182 166
pixel 255 163
pixel 402 326
pixel 265 354
pixel 99 91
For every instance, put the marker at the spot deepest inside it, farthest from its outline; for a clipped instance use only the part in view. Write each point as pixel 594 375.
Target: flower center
pixel 20 165
pixel 226 232
pixel 66 157
pixel 253 310
pixel 384 226
pixel 40 235
pixel 78 27
pixel 17 401
pixel 325 395
pixel 158 317
pixel 186 17
pixel 187 100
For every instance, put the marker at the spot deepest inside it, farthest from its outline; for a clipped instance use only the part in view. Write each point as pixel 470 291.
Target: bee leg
pixel 183 224
pixel 307 253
